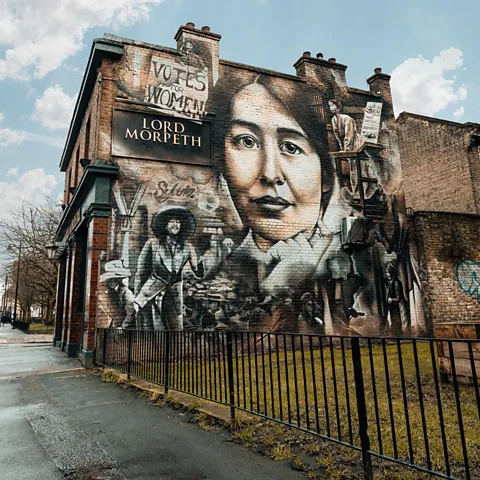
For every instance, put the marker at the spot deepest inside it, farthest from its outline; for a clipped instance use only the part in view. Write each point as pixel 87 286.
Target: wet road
pixel 70 425
pixel 21 455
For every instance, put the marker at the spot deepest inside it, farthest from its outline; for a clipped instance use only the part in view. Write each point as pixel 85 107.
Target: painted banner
pixel 371 122
pixel 180 88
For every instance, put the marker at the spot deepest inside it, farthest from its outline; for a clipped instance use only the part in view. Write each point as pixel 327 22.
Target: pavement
pixel 60 421
pixel 13 335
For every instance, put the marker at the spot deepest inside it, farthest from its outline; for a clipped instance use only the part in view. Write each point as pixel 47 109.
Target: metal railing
pixel 396 399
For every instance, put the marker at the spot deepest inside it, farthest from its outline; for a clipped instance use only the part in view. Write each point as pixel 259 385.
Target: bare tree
pixel 27 232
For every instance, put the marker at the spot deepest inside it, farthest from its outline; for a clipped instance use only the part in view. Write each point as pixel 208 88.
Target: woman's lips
pixel 271 204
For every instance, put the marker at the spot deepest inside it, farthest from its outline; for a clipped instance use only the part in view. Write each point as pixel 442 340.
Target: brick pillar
pixel 74 331
pixel 66 297
pixel 97 243
pixel 60 300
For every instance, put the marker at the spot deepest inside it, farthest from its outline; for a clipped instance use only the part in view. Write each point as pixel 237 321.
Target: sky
pixel 428 46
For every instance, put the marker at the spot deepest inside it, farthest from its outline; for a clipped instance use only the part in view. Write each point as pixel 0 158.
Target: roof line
pixel 101 48
pixel 405 115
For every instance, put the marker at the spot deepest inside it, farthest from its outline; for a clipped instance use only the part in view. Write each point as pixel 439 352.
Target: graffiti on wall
pixel 468 277
pixel 279 234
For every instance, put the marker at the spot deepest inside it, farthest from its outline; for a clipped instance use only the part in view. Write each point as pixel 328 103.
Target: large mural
pixel 276 230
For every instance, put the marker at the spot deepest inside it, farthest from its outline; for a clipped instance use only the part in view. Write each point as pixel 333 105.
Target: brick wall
pixel 74 170
pixel 97 243
pixel 449 257
pixel 439 168
pixel 60 300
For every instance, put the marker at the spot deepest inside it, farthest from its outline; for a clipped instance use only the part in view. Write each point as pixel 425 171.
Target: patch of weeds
pixel 245 434
pixel 110 377
pixel 207 422
pixel 144 394
pixel 155 397
pixel 296 463
pixel 193 406
pixel 173 402
pixel 281 453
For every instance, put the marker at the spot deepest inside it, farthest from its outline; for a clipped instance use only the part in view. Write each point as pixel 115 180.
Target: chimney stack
pixel 328 73
pixel 379 84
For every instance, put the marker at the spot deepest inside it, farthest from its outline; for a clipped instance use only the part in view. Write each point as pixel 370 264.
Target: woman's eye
pixel 247 141
pixel 290 148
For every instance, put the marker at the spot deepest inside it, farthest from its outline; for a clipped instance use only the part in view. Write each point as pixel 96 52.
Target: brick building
pixel 448 155
pixel 441 170
pixel 204 193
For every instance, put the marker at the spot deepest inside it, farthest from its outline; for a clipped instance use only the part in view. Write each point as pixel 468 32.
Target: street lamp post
pixel 51 250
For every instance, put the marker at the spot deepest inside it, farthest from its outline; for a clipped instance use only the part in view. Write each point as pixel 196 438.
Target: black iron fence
pixel 415 402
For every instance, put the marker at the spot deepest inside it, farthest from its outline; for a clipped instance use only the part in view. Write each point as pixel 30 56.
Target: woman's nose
pixel 271 172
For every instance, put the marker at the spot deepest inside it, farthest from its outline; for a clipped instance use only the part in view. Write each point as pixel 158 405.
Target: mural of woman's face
pixel 273 171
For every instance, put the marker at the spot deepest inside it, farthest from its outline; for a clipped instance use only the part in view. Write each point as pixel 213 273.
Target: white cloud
pixel 11 138
pixel 33 186
pixel 421 86
pixel 41 35
pixel 54 109
pixel 459 112
pixel 2 117
pixel 58 142
pixel 12 172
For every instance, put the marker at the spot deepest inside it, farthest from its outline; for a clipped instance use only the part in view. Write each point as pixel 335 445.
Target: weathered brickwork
pixel 449 263
pixel 441 164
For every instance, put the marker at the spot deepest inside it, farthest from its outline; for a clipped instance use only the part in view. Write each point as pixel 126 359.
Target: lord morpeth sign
pixel 161 137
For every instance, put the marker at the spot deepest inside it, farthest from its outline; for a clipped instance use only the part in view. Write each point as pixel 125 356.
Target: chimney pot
pixel 319 55
pixel 206 28
pixel 190 24
pixel 333 60
pixel 378 70
pixel 307 54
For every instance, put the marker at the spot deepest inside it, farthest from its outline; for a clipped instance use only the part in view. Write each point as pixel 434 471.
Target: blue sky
pixel 430 46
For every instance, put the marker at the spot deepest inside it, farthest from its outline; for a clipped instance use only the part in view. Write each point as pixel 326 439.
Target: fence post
pixel 129 354
pixel 361 408
pixel 167 360
pixel 231 386
pixel 104 353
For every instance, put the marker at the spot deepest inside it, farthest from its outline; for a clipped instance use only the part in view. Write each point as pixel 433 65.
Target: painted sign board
pixel 161 137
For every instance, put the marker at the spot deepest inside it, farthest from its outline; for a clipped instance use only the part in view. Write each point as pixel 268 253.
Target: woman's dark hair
pixel 295 96
pixel 160 222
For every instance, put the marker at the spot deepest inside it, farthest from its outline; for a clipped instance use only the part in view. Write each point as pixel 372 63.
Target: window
pixel 77 162
pixel 87 140
pixel 68 185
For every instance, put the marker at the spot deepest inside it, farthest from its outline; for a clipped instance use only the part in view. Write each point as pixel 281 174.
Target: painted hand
pixel 294 261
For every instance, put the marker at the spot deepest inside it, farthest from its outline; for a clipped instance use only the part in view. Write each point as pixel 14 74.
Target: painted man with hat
pixel 122 299
pixel 158 281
